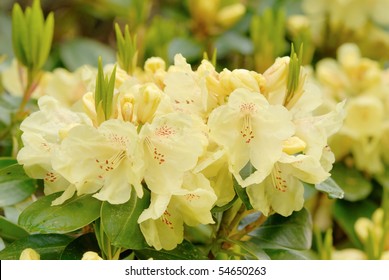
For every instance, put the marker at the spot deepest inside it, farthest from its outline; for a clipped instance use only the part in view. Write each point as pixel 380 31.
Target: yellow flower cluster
pixel 186 136
pixel 365 133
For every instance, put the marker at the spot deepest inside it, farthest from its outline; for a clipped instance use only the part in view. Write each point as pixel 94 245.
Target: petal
pixel 266 198
pixel 165 232
pixel 195 201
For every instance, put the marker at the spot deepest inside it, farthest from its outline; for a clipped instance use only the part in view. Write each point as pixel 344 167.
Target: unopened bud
pixel 229 15
pixel 293 145
pixel 147 103
pixel 29 254
pixel 91 256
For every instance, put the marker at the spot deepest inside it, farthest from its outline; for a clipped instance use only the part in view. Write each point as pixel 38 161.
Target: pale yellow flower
pixel 283 191
pixel 67 87
pixel 214 166
pixel 162 223
pixel 43 131
pixel 107 160
pixel 359 12
pixel 172 145
pixel 186 89
pixel 14 80
pixel 251 131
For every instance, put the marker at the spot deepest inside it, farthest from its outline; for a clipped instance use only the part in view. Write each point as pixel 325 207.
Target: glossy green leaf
pixel 242 194
pixel 11 232
pixel 330 187
pixel 15 185
pixel 278 232
pixel 184 251
pixel 82 51
pixel 49 246
pixel 346 214
pixel 120 221
pixel 352 182
pixel 76 249
pixel 248 250
pixel 279 254
pixel 73 214
pixel 223 208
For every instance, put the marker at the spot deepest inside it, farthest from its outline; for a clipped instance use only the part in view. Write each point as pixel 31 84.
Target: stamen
pixel 247 131
pixel 165 219
pixel 155 153
pixel 278 181
pixel 190 197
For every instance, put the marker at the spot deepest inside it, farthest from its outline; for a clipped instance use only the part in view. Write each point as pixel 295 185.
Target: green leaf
pixel 73 214
pixel 184 251
pixel 15 185
pixel 19 33
pixel 82 51
pixel 110 87
pixel 11 232
pixel 47 38
pixel 6 36
pixel 223 208
pixel 242 194
pixel 120 221
pixel 353 183
pixel 49 246
pixel 249 250
pixel 35 31
pixel 330 187
pixel 188 47
pixel 233 42
pixel 127 53
pixel 76 249
pixel 291 233
pixel 279 254
pixel 346 214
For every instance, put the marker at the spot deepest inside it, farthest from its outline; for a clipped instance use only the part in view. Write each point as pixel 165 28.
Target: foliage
pixel 121 137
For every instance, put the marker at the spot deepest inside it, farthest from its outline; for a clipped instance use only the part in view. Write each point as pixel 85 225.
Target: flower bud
pixel 29 254
pixel 91 256
pixel 154 64
pixel 229 15
pixel 362 227
pixel 241 78
pixel 147 103
pixel 293 145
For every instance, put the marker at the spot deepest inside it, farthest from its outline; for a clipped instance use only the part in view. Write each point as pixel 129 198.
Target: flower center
pixel 166 219
pixel 278 181
pixel 111 163
pixel 247 132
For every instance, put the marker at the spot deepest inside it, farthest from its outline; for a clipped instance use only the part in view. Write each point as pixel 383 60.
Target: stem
pixel 33 78
pixel 249 228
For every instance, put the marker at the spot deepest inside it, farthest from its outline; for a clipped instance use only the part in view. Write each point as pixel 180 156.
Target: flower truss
pixel 187 139
pixel 365 132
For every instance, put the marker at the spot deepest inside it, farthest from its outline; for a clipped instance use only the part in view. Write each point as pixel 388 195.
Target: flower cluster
pixel 190 138
pixel 363 140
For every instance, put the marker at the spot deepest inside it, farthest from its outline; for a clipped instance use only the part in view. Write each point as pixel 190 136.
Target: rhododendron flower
pixel 172 145
pixel 107 160
pixel 251 131
pixel 43 131
pixel 162 224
